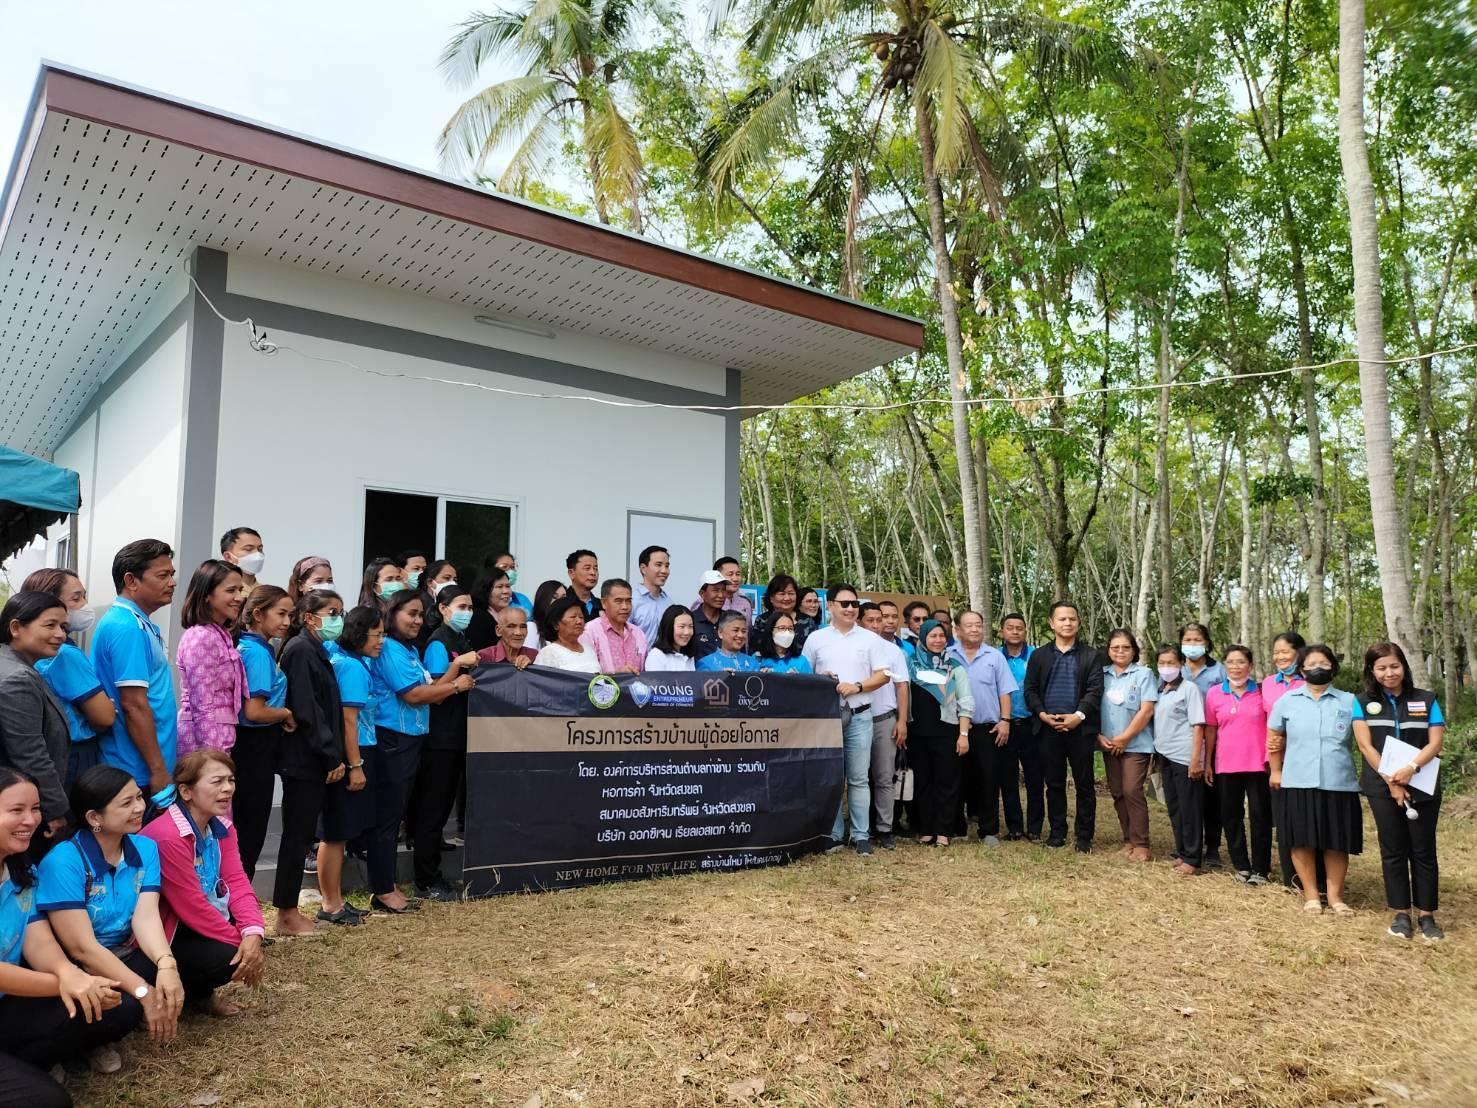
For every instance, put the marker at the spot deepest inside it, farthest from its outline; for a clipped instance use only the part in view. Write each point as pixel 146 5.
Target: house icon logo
pixel 715 692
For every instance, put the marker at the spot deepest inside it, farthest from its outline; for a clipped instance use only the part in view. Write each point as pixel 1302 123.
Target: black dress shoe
pixel 1056 843
pixel 380 906
pixel 344 917
pixel 1014 836
pixel 1084 846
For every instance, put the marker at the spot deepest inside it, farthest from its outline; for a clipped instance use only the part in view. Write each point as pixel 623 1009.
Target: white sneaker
pixel 105 1059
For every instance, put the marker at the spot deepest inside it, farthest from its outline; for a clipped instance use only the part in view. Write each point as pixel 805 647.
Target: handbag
pixel 902 778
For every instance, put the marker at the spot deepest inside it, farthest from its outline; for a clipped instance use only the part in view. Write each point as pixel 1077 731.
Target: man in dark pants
pixel 1064 687
pixel 1021 755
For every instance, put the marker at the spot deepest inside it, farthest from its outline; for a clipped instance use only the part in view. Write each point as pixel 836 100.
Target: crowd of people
pixel 133 813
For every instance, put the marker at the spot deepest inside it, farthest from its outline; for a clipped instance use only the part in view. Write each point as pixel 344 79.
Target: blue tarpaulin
pixel 33 495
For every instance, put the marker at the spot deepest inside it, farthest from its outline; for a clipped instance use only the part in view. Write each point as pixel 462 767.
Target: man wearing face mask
pixel 414 563
pixel 242 546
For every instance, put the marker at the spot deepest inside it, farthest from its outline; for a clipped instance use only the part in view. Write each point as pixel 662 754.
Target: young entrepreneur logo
pixel 604 691
pixel 640 694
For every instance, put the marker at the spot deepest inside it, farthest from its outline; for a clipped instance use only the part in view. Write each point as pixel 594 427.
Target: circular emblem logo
pixel 604 691
pixel 1373 708
pixel 640 694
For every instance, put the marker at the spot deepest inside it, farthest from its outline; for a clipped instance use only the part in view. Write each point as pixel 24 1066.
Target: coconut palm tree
pixel 569 54
pixel 1369 326
pixel 927 55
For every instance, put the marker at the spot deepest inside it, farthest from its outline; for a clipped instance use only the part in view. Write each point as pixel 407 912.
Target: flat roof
pixel 111 187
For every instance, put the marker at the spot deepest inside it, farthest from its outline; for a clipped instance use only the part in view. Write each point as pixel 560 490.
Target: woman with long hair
pixel 212 678
pixel 383 578
pixel 265 718
pixel 70 674
pixel 782 597
pixel 672 650
pixel 780 643
pixel 1391 709
pixel 543 599
pixel 308 574
pixel 34 737
pixel 490 596
pixel 51 1011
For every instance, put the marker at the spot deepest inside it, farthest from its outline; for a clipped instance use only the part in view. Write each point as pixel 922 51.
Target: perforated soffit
pixel 104 217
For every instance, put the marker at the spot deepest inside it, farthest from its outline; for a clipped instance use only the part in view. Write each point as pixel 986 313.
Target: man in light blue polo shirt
pixel 649 599
pixel 992 683
pixel 133 667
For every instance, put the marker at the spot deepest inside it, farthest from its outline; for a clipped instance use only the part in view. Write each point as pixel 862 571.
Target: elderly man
pixel 618 644
pixel 991 682
pixel 710 594
pixel 650 600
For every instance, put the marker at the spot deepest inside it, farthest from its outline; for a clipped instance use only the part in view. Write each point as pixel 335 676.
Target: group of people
pixel 133 813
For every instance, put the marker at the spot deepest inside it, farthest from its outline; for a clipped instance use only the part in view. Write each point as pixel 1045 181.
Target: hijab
pixel 922 659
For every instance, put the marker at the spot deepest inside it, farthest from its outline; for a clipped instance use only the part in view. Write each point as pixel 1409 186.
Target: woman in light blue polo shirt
pixel 1127 739
pixel 264 719
pixel 100 893
pixel 404 695
pixel 50 1010
pixel 1312 764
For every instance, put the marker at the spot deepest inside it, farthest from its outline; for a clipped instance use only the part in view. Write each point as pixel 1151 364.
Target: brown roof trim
pixel 200 129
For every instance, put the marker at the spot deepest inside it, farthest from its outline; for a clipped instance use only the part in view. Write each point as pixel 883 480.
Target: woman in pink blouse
pixel 212 678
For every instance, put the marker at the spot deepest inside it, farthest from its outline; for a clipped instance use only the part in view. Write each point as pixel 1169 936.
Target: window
pixel 465 532
pixel 63 557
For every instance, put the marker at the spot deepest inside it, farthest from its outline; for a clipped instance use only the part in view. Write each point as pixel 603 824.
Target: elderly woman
pixel 563 626
pixel 210 914
pixel 1308 744
pixel 212 676
pixel 943 707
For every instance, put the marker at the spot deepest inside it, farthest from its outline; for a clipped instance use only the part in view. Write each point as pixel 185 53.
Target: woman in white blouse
pixel 673 647
pixel 563 626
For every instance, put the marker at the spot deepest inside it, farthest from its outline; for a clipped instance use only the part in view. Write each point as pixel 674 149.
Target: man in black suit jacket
pixel 1064 688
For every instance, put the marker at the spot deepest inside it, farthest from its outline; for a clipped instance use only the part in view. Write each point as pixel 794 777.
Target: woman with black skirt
pixel 312 757
pixel 1308 746
pixel 1391 707
pixel 265 718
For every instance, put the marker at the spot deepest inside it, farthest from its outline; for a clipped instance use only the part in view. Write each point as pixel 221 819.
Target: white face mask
pixel 1169 673
pixel 784 639
pixel 80 620
pixel 444 585
pixel 251 564
pixel 321 586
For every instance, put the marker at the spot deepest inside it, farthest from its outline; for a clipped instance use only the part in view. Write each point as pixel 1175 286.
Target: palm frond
pixel 482 36
pixel 780 25
pixel 565 27
pixel 1059 48
pixel 482 123
pixel 610 137
pixel 942 79
pixel 532 154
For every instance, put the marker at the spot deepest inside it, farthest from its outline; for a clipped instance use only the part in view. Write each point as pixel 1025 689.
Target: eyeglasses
pixel 848 603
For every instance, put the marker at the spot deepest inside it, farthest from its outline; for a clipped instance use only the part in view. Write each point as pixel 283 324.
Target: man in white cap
pixel 712 591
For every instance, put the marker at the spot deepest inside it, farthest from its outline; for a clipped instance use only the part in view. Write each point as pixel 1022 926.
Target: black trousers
pixel 936 773
pixel 1246 798
pixel 1185 799
pixel 981 771
pixel 1284 852
pixel 1210 816
pixel 302 804
pixel 1021 758
pixel 36 1034
pixel 1408 852
pixel 204 963
pixel 398 760
pixel 255 755
pixel 436 785
pixel 1061 750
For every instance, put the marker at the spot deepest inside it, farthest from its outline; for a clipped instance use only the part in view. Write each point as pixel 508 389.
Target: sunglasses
pixel 848 603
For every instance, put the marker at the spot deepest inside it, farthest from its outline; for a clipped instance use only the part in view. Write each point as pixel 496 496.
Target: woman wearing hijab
pixel 943 708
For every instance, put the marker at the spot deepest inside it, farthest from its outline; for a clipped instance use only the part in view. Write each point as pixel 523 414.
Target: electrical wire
pixel 257 339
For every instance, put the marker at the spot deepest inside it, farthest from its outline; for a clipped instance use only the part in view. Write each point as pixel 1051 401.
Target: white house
pixel 112 365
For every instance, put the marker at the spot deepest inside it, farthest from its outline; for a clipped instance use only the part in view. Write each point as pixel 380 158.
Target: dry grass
pixel 919 978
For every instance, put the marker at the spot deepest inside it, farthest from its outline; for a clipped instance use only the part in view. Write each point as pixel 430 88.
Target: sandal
pixel 942 840
pixel 1313 907
pixel 1341 909
pixel 928 840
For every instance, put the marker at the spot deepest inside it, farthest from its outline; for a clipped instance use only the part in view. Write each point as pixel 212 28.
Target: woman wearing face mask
pixel 33 730
pixel 212 679
pixel 444 751
pixel 938 737
pixel 1179 741
pixel 265 718
pixel 1236 739
pixel 543 599
pixel 1308 745
pixel 383 578
pixel 348 806
pixel 50 1010
pixel 1130 693
pixel 210 914
pixel 99 891
pixel 437 576
pixel 414 563
pixel 671 651
pixel 1202 668
pixel 509 565
pixel 312 757
pixel 1390 707
pixel 1284 677
pixel 780 644
pixel 69 674
pixel 490 597
pixel 781 597
pixel 308 574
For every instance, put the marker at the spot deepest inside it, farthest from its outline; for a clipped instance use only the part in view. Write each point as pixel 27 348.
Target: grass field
pixel 1015 976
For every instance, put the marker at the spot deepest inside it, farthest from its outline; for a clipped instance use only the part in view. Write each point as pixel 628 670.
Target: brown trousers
pixel 1126 776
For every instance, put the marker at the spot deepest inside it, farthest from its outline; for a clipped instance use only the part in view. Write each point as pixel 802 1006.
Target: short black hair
pixel 492 559
pixel 613 583
pixel 136 557
pixel 401 599
pixel 574 558
pixel 228 540
pixel 405 555
pixel 358 623
pixel 1008 616
pixel 948 614
pixel 869 606
pixel 838 587
pixel 913 605
pixel 727 560
pixel 1204 634
pixel 1371 689
pixel 1116 633
pixel 1326 651
pixel 1238 648
pixel 96 789
pixel 1051 613
pixel 1169 648
pixel 550 628
pixel 1292 639
pixel 645 556
pixel 26 607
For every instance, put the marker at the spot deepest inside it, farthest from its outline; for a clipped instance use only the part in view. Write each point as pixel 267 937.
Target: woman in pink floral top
pixel 212 678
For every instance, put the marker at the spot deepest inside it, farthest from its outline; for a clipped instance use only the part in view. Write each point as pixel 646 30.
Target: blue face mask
pixel 458 621
pixel 390 588
pixel 330 628
pixel 413 578
pixel 512 578
pixel 1193 651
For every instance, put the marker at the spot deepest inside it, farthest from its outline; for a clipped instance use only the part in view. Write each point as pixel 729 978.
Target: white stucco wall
pixel 301 441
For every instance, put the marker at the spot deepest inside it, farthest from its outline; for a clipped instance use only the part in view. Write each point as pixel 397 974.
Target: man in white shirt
pixel 889 725
pixel 649 600
pixel 859 661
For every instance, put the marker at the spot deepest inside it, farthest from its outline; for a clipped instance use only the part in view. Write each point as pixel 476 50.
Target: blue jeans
pixel 856 743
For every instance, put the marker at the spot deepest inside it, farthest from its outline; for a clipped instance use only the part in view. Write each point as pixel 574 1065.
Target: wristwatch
pixel 141 992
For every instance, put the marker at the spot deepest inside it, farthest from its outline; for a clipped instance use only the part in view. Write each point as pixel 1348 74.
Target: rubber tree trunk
pixel 954 353
pixel 1374 393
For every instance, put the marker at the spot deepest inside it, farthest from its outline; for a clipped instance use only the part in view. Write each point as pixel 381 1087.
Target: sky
pixel 360 75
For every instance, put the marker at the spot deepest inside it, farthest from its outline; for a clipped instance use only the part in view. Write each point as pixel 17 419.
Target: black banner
pixel 574 780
